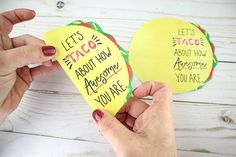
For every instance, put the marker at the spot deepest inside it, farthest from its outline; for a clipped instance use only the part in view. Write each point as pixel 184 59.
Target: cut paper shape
pixel 173 51
pixel 95 63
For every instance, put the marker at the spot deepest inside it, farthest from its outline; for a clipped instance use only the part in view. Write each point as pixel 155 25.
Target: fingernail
pixel 97 115
pixel 48 50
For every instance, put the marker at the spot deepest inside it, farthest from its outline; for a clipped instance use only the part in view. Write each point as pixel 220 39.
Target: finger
pixel 147 89
pixel 13 98
pixel 127 126
pixel 114 131
pixel 129 113
pixel 29 40
pixel 42 70
pixel 158 91
pixel 132 110
pixel 47 63
pixel 19 15
pixel 130 121
pixel 121 116
pixel 26 40
pixel 157 119
pixel 12 17
pixel 25 55
pixel 133 107
pixel 5 41
pixel 26 75
pixel 136 107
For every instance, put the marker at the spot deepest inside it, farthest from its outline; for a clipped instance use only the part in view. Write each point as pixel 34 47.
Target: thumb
pixel 112 129
pixel 25 55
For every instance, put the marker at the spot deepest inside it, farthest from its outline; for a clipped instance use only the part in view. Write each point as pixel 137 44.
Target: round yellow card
pixel 173 51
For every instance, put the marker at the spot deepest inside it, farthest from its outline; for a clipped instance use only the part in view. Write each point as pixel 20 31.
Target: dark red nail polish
pixel 97 115
pixel 48 50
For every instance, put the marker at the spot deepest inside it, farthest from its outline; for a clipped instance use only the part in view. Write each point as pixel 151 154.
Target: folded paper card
pixel 95 63
pixel 173 51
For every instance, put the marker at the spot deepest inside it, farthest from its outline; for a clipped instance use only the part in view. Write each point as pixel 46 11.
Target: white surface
pixel 53 120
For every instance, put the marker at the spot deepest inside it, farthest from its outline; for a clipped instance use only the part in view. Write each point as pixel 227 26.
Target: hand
pixel 15 54
pixel 147 131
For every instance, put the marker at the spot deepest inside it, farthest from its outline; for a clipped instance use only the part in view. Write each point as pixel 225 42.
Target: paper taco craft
pixel 169 50
pixel 97 65
pixel 173 51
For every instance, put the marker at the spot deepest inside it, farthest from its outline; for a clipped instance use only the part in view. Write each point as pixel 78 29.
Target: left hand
pixel 15 56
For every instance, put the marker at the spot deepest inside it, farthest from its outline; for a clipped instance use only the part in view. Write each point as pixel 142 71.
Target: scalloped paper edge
pixel 214 59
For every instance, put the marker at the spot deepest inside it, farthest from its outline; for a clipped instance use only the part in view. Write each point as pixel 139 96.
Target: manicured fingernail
pixel 48 50
pixel 97 115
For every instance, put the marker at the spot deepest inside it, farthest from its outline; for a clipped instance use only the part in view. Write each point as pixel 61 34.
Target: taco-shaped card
pixel 94 62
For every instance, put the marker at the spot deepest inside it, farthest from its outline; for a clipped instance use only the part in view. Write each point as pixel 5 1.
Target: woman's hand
pixel 141 130
pixel 15 54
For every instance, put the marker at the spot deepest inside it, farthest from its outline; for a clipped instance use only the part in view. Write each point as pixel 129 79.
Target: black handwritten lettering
pixel 116 89
pixel 86 68
pixel 70 42
pixel 103 99
pixel 102 78
pixel 103 55
pixel 183 65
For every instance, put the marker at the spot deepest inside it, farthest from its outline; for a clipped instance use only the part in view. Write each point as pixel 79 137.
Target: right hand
pixel 140 130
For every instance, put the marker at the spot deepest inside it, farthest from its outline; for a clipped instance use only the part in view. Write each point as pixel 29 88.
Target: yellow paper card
pixel 173 51
pixel 95 63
